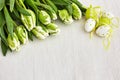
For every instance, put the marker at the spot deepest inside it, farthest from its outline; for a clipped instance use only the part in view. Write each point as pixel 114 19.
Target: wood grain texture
pixel 69 56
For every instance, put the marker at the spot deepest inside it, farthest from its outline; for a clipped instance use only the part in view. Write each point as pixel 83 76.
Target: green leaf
pixel 2 23
pixel 69 8
pixel 4 48
pixel 30 35
pixel 9 21
pixel 21 9
pixel 34 7
pixel 61 2
pixel 16 13
pixel 2 3
pixel 83 9
pixel 1 18
pixel 49 2
pixel 12 2
pixel 50 11
pixel 2 34
pixel 47 7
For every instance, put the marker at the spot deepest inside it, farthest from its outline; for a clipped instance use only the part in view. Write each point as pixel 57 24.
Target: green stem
pixel 21 2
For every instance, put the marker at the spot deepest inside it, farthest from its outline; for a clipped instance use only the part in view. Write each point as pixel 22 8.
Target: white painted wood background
pixel 69 56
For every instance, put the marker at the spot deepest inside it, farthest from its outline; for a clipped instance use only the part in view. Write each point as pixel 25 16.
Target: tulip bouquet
pixel 20 20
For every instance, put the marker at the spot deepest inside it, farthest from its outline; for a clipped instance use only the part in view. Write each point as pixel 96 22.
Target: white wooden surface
pixel 69 56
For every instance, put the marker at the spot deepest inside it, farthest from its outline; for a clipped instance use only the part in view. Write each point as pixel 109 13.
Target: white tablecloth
pixel 69 56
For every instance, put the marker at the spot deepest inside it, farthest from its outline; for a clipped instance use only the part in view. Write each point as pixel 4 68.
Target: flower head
pixel 29 21
pixel 65 17
pixel 77 14
pixel 53 29
pixel 13 41
pixel 44 17
pixel 22 34
pixel 39 32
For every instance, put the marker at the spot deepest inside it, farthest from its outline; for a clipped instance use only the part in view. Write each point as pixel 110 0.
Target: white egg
pixel 102 31
pixel 90 25
pixel 108 14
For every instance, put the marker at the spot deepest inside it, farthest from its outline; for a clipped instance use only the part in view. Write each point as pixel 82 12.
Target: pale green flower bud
pixel 29 21
pixel 53 29
pixel 40 33
pixel 54 16
pixel 44 17
pixel 22 34
pixel 77 14
pixel 65 17
pixel 13 42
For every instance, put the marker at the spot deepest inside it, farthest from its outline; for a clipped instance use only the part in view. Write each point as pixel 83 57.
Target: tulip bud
pixel 29 21
pixel 54 16
pixel 39 32
pixel 13 42
pixel 22 34
pixel 53 29
pixel 77 14
pixel 44 17
pixel 65 17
